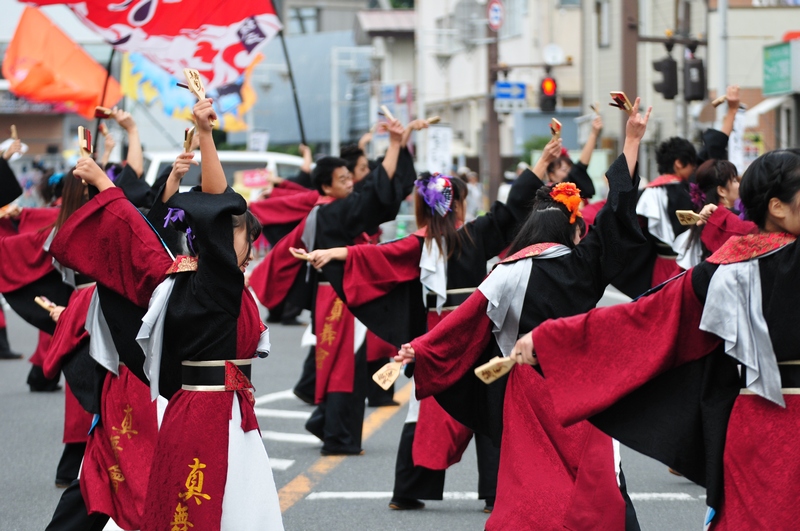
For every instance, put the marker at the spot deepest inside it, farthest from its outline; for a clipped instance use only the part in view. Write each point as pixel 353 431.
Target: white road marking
pixel 289 437
pixel 377 495
pixel 274 397
pixel 280 464
pixel 281 413
pixel 662 496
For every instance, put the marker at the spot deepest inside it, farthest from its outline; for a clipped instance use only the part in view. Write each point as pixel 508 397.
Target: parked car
pixel 280 164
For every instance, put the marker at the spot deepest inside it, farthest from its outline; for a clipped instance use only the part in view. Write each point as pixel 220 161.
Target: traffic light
pixel 547 95
pixel 694 80
pixel 668 86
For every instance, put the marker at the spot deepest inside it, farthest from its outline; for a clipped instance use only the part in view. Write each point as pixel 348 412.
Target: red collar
pixel 663 180
pixel 324 200
pixel 749 246
pixel 183 264
pixel 529 252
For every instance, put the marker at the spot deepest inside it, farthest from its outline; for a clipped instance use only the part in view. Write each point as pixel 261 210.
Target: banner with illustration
pixel 146 82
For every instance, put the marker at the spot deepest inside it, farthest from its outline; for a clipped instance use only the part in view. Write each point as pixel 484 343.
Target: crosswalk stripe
pixel 281 413
pixel 274 397
pixel 378 495
pixel 280 464
pixel 289 437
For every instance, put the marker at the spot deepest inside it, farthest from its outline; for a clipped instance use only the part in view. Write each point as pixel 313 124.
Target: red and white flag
pixel 219 38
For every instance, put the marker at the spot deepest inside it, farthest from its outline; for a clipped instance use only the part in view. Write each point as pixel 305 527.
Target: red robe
pixel 594 363
pixel 558 477
pixel 127 257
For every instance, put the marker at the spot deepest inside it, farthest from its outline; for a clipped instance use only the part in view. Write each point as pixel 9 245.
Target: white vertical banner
pixel 257 140
pixel 439 149
pixel 736 142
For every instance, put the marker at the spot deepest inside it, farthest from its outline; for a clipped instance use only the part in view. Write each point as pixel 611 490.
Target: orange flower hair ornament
pixel 568 195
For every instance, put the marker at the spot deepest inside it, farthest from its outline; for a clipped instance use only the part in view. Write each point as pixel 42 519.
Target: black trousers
pixel 70 463
pixel 420 483
pixel 71 514
pixel 631 521
pixel 38 382
pixel 339 420
pixel 306 385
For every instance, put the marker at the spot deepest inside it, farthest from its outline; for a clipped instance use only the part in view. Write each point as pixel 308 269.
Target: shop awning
pixel 770 104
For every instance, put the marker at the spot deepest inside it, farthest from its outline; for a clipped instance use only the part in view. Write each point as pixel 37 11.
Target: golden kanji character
pixel 321 354
pixel 115 445
pixel 328 335
pixel 180 520
pixel 127 424
pixel 194 483
pixel 116 477
pixel 336 311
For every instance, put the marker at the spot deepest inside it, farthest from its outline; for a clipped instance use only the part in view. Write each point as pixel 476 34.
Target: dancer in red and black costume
pixel 716 187
pixel 9 191
pixel 116 464
pixel 677 161
pixel 402 288
pixel 342 216
pixel 209 451
pixel 549 477
pixel 680 396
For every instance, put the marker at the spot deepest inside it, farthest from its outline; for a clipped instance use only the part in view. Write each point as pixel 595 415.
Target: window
pixel 569 3
pixel 303 20
pixel 603 10
pixel 512 25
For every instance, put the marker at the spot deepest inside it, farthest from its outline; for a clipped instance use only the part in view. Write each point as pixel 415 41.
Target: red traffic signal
pixel 549 86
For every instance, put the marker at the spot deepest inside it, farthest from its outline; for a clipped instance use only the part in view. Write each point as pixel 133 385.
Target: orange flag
pixel 43 64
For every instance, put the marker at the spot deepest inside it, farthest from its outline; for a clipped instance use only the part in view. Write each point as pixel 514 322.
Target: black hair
pixel 322 175
pixel 774 174
pixel 442 229
pixel 74 195
pixel 672 149
pixel 251 224
pixel 554 165
pixel 47 191
pixel 548 222
pixel 713 173
pixel 351 153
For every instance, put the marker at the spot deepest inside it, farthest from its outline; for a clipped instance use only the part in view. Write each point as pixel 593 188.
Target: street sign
pixel 510 96
pixel 509 90
pixel 496 13
pixel 781 74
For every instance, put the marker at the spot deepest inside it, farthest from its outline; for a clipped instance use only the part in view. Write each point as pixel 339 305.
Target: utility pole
pixel 630 55
pixel 722 59
pixel 491 168
pixel 684 27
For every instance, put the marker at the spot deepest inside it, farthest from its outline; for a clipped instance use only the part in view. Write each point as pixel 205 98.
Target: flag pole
pixel 294 90
pixel 103 97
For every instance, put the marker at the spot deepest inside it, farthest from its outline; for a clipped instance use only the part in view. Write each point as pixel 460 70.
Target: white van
pixel 281 164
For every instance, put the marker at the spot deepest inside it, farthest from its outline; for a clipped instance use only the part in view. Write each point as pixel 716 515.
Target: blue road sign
pixel 509 90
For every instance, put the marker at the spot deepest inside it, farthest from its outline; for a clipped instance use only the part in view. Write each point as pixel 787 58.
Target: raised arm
pixel 213 180
pixel 550 153
pixel 179 169
pixel 591 142
pixel 305 151
pixel 108 147
pixel 634 131
pixel 89 171
pixel 396 131
pixel 732 95
pixel 135 158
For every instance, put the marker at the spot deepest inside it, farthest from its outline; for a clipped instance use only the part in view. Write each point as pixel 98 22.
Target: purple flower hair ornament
pixel 697 195
pixel 437 192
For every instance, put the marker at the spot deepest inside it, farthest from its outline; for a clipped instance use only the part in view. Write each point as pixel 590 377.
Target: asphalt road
pixel 326 494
